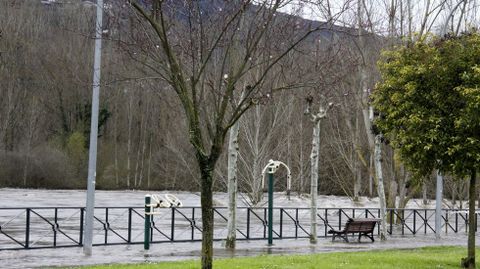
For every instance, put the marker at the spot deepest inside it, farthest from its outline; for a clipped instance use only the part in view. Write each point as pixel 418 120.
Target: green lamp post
pixel 271 168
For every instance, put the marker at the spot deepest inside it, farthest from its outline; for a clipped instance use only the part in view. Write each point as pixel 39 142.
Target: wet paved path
pixel 180 251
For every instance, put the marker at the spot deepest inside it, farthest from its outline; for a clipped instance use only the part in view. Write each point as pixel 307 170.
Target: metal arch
pixel 272 167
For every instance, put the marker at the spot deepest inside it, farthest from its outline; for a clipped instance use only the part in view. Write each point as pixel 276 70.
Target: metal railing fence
pixel 51 227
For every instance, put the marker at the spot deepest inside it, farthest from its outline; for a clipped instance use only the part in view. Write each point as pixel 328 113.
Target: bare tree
pixel 232 188
pixel 381 191
pixel 316 118
pixel 205 86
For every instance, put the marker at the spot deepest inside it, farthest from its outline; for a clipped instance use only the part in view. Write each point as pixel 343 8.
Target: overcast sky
pixel 344 12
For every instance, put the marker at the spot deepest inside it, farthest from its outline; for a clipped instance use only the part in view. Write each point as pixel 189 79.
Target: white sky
pixel 345 12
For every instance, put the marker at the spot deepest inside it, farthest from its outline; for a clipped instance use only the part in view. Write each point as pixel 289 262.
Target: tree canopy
pixel 429 103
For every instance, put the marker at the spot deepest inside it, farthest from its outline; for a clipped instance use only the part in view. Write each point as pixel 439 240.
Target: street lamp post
pixel 92 155
pixel 271 168
pixel 438 205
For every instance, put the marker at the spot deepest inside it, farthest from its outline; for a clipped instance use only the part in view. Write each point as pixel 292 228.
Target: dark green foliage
pixel 429 103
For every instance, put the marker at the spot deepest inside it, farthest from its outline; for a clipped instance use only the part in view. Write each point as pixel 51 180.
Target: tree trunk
pixel 206 197
pixel 391 195
pixel 454 197
pixel 478 197
pixel 301 176
pixel 256 194
pixel 357 186
pixel 144 148
pixel 149 171
pixel 402 193
pixel 424 193
pixel 391 199
pixel 26 165
pixel 136 175
pixel 232 186
pixel 314 181
pixel 381 190
pixel 370 175
pixel 402 187
pixel 365 95
pixel 129 139
pixel 115 146
pixel 358 181
pixel 31 125
pixel 469 261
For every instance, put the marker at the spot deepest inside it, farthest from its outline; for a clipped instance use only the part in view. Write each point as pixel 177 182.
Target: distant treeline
pixel 46 55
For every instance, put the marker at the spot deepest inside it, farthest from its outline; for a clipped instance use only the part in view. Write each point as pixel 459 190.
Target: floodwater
pixel 73 256
pixel 36 198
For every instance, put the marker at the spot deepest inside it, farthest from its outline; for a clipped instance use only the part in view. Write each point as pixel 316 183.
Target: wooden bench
pixel 364 227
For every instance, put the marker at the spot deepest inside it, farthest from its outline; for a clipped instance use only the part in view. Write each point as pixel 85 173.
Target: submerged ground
pixel 34 198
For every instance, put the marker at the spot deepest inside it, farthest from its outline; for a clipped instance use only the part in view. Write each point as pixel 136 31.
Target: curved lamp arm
pixel 272 167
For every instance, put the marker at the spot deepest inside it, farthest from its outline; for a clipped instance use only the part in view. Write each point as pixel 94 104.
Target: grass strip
pixel 419 258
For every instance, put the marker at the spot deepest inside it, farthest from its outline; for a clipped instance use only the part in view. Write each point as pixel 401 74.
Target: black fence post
pixel 456 222
pixel 340 219
pixel 425 222
pixel 281 222
pixel 129 232
pixel 447 223
pixel 265 222
pixel 172 232
pixel 80 239
pixel 152 225
pixel 296 223
pixel 248 223
pixel 193 219
pixel 106 226
pixel 414 221
pixel 27 229
pixel 325 222
pixel 55 228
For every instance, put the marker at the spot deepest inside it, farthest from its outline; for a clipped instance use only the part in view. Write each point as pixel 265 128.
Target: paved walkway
pixel 180 251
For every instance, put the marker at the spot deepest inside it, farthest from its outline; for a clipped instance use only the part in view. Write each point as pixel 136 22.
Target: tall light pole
pixel 438 205
pixel 271 168
pixel 92 154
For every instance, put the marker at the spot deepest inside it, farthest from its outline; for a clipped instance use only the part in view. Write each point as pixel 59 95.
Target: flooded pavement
pixel 67 257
